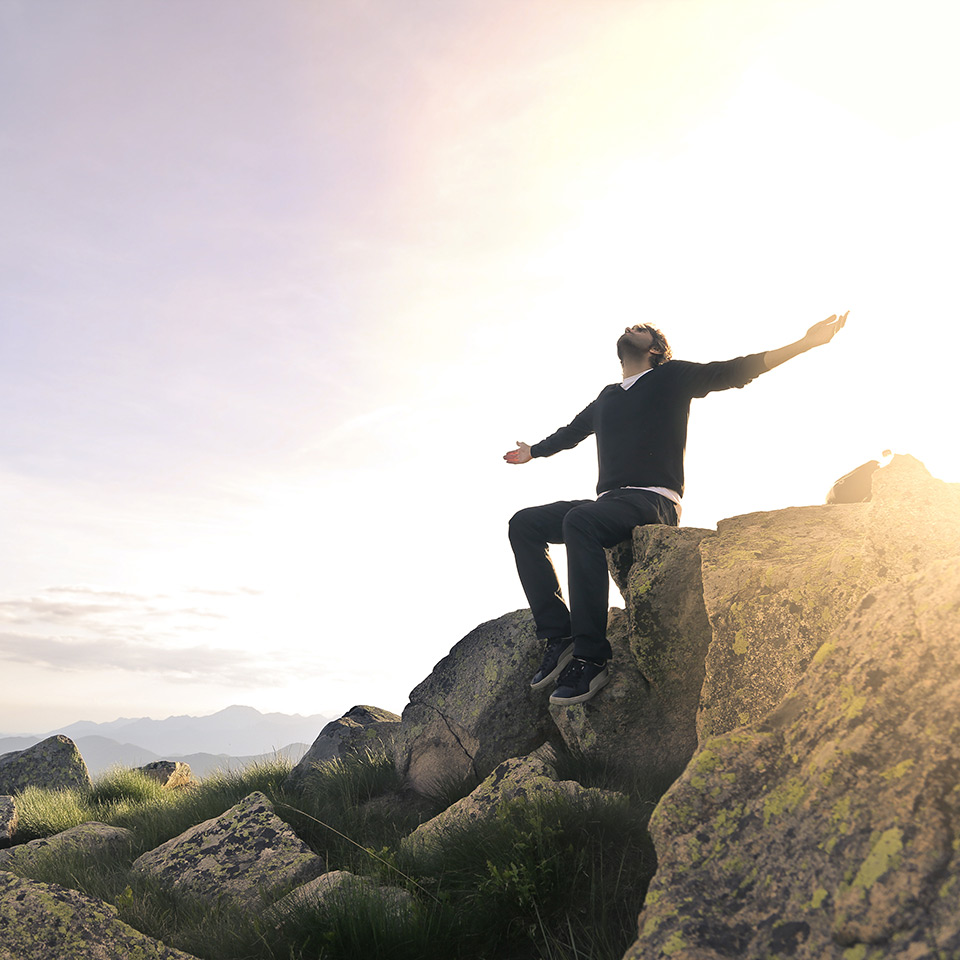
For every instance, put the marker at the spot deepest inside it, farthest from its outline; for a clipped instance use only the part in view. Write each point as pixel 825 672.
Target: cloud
pixel 85 629
pixel 107 612
pixel 200 664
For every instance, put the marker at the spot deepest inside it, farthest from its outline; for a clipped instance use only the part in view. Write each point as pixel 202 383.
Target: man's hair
pixel 659 342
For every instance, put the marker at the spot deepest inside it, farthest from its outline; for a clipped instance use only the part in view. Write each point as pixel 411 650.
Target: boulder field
pixel 789 685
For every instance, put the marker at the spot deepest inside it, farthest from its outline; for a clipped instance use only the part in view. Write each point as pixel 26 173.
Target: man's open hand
pixel 823 332
pixel 520 455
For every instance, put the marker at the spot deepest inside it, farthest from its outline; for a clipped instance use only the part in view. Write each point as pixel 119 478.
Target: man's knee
pixel 521 522
pixel 578 522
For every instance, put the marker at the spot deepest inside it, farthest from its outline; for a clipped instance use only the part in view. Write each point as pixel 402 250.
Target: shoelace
pixel 572 670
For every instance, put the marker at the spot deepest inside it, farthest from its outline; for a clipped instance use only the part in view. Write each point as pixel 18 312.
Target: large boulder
pixel 778 584
pixel 830 828
pixel 476 709
pixel 643 722
pixel 85 838
pixel 52 764
pixel 41 921
pixel 519 778
pixel 360 728
pixel 8 820
pixel 245 855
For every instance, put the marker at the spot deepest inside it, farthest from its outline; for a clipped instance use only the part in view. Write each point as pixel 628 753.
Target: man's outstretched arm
pixel 566 438
pixel 819 334
pixel 520 455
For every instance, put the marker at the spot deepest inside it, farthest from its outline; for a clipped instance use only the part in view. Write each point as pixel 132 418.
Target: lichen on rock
pixel 246 855
pixel 360 728
pixel 85 838
pixel 831 825
pixel 52 764
pixel 8 820
pixel 40 921
pixel 526 778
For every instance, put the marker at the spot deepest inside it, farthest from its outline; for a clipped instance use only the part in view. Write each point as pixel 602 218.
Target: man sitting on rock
pixel 641 430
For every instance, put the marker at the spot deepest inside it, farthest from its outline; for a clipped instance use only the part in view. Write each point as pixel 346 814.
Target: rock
pixel 830 829
pixel 339 885
pixel 476 709
pixel 53 764
pixel 41 921
pixel 86 837
pixel 776 585
pixel 644 721
pixel 8 820
pixel 519 778
pixel 360 728
pixel 245 855
pixel 170 774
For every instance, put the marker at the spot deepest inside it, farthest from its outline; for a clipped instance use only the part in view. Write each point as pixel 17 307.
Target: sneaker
pixel 580 681
pixel 559 654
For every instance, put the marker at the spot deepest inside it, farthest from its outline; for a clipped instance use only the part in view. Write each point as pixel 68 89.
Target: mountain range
pixel 229 738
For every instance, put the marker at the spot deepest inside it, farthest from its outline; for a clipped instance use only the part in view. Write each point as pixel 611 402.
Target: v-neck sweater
pixel 642 432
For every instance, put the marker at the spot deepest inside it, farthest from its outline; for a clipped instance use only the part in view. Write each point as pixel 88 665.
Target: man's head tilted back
pixel 643 340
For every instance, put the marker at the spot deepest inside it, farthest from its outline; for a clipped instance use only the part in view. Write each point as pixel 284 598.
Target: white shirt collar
pixel 630 381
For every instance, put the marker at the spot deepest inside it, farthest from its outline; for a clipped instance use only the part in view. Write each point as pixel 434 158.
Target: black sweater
pixel 642 432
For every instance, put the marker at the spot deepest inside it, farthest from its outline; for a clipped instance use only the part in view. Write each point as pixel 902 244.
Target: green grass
pixel 557 879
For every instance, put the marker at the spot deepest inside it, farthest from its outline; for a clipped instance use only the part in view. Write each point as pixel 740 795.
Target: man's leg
pixel 531 530
pixel 587 530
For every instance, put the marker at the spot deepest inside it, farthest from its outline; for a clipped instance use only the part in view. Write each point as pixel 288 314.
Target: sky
pixel 282 280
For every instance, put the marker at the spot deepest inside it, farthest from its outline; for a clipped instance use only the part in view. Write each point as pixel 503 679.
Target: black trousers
pixel 586 527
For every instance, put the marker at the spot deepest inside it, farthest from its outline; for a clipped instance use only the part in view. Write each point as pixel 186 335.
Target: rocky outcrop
pixel 8 820
pixel 54 764
pixel 778 584
pixel 85 838
pixel 825 825
pixel 245 855
pixel 659 645
pixel 170 774
pixel 344 888
pixel 40 921
pixel 476 709
pixel 360 728
pixel 520 778
pixel 832 826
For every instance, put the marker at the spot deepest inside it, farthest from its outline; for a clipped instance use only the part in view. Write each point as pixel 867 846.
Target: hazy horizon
pixel 283 281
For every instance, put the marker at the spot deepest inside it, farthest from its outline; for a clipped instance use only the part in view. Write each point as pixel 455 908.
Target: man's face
pixel 637 340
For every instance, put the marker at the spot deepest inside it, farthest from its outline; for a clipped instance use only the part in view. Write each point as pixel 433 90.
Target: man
pixel 641 430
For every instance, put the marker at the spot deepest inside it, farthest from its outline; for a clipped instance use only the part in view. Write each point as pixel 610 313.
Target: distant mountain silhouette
pixel 236 731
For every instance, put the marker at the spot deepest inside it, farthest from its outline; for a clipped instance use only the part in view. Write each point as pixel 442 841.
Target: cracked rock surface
pixel 476 709
pixel 245 855
pixel 40 921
